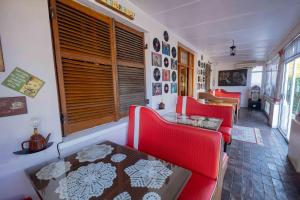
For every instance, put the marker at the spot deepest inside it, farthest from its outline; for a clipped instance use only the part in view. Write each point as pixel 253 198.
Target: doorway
pixel 290 104
pixel 185 72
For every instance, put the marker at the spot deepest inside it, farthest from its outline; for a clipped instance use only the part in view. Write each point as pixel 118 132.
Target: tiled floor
pixel 260 172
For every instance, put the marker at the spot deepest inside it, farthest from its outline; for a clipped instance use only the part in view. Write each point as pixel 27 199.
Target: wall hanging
pixel 166 36
pixel 173 87
pixel 174 52
pixel 173 76
pixel 156 89
pixel 12 106
pixel 165 75
pixel 156 44
pixel 2 68
pixel 156 74
pixel 156 59
pixel 23 82
pixel 173 64
pixel 166 62
pixel 233 78
pixel 166 88
pixel 119 8
pixel 165 48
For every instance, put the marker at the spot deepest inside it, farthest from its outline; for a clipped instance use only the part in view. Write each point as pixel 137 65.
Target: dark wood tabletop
pixel 108 171
pixel 210 123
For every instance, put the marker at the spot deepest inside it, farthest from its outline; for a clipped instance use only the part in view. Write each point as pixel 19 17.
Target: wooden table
pixel 195 120
pixel 108 171
pixel 234 105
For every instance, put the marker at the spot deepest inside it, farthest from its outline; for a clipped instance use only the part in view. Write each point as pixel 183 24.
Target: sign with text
pixel 23 82
pixel 114 5
pixel 12 106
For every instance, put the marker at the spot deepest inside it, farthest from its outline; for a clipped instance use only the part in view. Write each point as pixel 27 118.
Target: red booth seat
pixel 192 148
pixel 225 94
pixel 190 106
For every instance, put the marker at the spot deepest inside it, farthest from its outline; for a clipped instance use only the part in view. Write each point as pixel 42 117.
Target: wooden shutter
pixel 131 67
pixel 84 49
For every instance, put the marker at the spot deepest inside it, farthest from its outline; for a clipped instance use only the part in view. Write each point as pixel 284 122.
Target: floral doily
pixel 119 157
pixel 123 196
pixel 87 181
pixel 151 196
pixel 94 152
pixel 53 170
pixel 148 173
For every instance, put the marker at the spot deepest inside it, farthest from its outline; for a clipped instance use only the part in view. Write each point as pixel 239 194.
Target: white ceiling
pixel 257 26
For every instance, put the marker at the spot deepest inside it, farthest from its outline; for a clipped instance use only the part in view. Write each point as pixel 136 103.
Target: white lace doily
pixel 94 152
pixel 151 196
pixel 148 173
pixel 87 181
pixel 53 170
pixel 119 157
pixel 123 196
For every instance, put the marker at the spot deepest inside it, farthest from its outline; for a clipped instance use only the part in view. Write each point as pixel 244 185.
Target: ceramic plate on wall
pixel 166 88
pixel 173 76
pixel 166 36
pixel 156 74
pixel 156 44
pixel 174 52
pixel 166 62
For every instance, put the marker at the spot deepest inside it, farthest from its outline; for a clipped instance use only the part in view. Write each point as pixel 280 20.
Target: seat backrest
pixel 190 106
pixel 192 148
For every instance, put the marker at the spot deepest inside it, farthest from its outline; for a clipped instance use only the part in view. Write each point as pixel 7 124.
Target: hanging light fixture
pixel 233 49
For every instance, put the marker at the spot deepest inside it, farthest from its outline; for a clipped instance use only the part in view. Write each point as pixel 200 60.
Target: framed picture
pixel 174 76
pixel 166 88
pixel 156 59
pixel 156 44
pixel 165 75
pixel 173 87
pixel 156 74
pixel 156 89
pixel 173 64
pixel 2 68
pixel 165 48
pixel 233 78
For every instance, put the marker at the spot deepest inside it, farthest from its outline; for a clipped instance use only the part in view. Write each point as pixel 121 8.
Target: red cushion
pixel 192 148
pixel 199 187
pixel 226 132
pixel 224 93
pixel 193 107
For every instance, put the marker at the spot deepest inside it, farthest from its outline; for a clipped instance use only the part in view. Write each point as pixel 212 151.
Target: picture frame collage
pixel 165 67
pixel 201 75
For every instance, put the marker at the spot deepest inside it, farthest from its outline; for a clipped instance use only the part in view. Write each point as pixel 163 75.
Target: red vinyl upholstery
pixel 192 148
pixel 193 107
pixel 224 93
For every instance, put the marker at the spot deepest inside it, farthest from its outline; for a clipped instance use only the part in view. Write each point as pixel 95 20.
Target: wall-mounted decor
pixel 174 52
pixel 23 82
pixel 173 87
pixel 166 88
pixel 165 48
pixel 199 63
pixel 174 76
pixel 12 106
pixel 156 89
pixel 156 44
pixel 116 6
pixel 233 78
pixel 166 62
pixel 156 59
pixel 165 75
pixel 166 36
pixel 156 74
pixel 2 68
pixel 173 64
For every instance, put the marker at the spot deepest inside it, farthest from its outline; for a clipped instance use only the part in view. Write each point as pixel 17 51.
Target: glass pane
pixel 183 83
pixel 273 83
pixel 256 78
pixel 296 104
pixel 257 69
pixel 184 57
pixel 298 46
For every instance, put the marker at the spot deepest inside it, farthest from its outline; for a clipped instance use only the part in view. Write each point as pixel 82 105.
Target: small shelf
pixel 26 151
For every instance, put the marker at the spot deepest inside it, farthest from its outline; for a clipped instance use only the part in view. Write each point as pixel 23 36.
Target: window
pixel 186 72
pixel 96 60
pixel 271 78
pixel 256 76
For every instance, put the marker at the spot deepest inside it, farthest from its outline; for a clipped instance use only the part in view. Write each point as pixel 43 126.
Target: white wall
pixel 26 42
pixel 243 89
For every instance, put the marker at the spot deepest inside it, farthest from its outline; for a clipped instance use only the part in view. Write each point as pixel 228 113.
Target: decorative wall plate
pixel 148 173
pixel 119 157
pixel 199 63
pixel 173 64
pixel 174 76
pixel 165 48
pixel 53 170
pixel 151 196
pixel 156 44
pixel 156 74
pixel 166 88
pixel 166 62
pixel 87 181
pixel 123 196
pixel 166 36
pixel 174 52
pixel 94 152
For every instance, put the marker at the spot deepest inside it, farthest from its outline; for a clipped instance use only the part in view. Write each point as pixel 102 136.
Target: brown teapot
pixel 36 142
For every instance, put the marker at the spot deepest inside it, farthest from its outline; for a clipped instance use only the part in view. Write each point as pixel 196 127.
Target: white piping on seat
pixel 184 99
pixel 136 127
